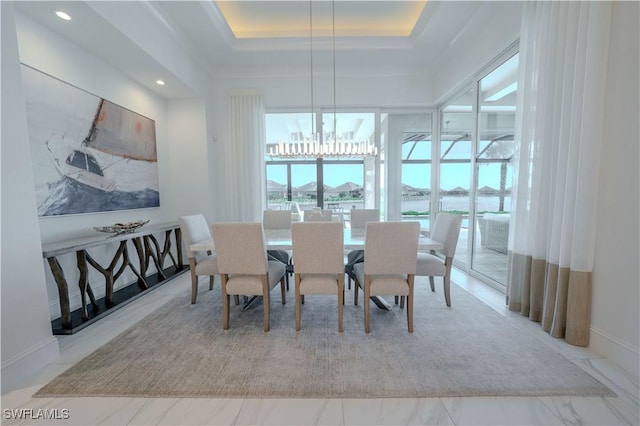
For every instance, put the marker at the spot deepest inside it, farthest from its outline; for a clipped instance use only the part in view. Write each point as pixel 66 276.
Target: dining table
pixel 280 239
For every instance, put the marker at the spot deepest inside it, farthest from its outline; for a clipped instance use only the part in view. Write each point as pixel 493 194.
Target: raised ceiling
pixel 276 19
pixel 231 37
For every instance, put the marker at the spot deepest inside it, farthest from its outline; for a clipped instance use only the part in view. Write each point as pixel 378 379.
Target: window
pixel 328 182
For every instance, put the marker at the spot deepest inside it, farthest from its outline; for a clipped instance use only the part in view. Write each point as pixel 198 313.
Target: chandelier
pixel 330 146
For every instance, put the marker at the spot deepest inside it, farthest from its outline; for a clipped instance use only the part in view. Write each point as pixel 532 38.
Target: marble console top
pixel 67 246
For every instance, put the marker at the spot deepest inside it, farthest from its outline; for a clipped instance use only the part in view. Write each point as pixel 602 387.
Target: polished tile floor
pixel 623 409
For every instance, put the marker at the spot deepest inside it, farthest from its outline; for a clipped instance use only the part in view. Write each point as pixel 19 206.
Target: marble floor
pixel 620 410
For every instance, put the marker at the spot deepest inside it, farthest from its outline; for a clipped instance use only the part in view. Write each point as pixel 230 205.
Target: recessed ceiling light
pixel 63 15
pixel 160 82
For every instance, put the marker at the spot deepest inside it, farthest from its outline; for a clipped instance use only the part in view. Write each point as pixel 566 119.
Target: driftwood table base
pixel 147 248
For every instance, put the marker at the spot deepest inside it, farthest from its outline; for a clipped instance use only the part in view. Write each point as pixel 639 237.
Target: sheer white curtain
pixel 244 157
pixel 563 64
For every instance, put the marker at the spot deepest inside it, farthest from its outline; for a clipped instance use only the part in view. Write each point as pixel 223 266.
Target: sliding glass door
pixel 455 154
pixel 495 148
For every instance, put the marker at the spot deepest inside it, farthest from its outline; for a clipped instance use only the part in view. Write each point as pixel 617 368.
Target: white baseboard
pixel 616 350
pixel 16 369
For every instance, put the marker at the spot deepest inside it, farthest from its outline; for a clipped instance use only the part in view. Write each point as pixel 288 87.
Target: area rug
pixel 181 350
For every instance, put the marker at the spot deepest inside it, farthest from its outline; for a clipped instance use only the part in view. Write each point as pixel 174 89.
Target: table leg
pixel 81 258
pixel 178 235
pixel 63 292
pixel 381 302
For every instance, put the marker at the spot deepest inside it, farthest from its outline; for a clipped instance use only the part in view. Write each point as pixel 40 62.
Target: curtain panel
pixel 244 157
pixel 563 65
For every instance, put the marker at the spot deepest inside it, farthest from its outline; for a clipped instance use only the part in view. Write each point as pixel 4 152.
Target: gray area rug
pixel 180 350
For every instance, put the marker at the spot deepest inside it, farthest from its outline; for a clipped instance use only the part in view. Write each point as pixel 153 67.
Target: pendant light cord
pixel 313 120
pixel 333 38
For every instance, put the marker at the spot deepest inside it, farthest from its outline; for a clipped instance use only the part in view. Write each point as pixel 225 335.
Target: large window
pixel 329 182
pixel 458 159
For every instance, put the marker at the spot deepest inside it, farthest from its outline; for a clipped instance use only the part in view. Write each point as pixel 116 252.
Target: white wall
pixel 56 56
pixel 29 292
pixel 616 297
pixel 27 341
pixel 189 160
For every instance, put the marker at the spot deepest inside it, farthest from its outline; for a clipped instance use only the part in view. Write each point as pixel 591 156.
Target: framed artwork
pixel 89 154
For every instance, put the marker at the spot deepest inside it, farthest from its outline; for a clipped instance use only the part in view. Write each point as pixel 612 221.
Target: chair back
pixel 194 230
pixel 360 217
pixel 240 248
pixel 391 247
pixel 446 230
pixel 276 219
pixel 318 247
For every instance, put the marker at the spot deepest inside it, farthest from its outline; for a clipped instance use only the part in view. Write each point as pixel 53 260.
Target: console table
pixel 147 248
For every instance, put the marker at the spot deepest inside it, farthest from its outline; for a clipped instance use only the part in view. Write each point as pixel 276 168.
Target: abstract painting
pixel 89 154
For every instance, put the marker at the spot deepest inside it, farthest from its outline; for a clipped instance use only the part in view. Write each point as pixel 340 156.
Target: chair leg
pixel 356 288
pixel 395 298
pixel 297 284
pixel 194 288
pixel 266 302
pixel 367 304
pixel 236 299
pixel 194 280
pixel 410 305
pixel 282 289
pixel 211 280
pixel 340 301
pixel 401 302
pixel 433 284
pixel 225 304
pixel 447 290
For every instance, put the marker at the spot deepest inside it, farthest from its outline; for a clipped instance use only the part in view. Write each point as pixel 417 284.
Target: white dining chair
pixel 358 221
pixel 279 220
pixel 438 263
pixel 390 265
pixel 318 248
pixel 194 229
pixel 244 267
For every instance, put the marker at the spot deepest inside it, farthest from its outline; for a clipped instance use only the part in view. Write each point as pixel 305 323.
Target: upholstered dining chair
pixel 359 218
pixel 244 267
pixel 194 229
pixel 319 251
pixel 445 230
pixel 278 220
pixel 390 264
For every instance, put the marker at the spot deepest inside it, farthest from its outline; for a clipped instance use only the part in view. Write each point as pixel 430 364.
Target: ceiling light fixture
pixel 160 82
pixel 62 15
pixel 331 145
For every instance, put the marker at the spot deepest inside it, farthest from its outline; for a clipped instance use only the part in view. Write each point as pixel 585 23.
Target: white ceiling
pixel 413 35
